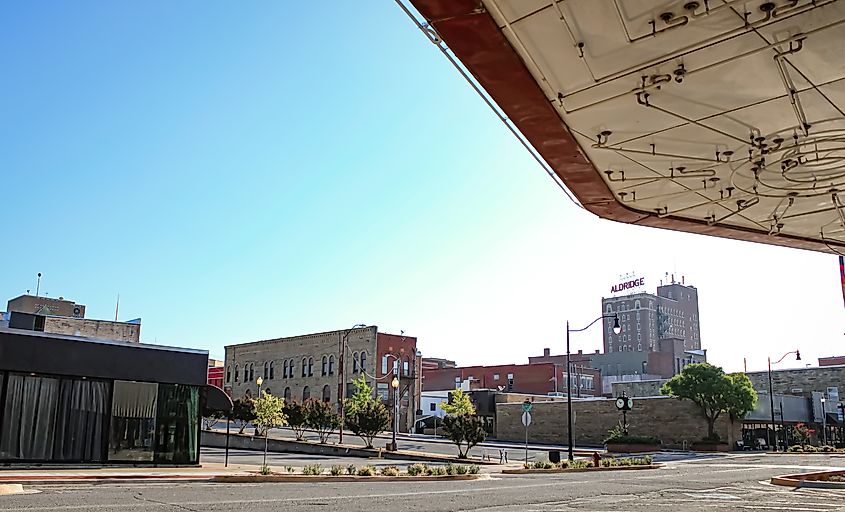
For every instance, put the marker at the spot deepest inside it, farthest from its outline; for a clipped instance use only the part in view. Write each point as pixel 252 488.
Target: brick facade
pixel 98 329
pixel 308 366
pixel 534 379
pixel 800 381
pixel 675 422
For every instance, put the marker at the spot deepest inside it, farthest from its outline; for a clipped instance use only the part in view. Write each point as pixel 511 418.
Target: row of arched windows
pixel 306 393
pixel 359 364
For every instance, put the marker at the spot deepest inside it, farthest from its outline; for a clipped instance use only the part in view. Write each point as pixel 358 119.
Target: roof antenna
pixel 117 307
pixel 38 285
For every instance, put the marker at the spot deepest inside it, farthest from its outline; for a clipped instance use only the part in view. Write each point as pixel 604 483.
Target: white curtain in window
pixel 134 399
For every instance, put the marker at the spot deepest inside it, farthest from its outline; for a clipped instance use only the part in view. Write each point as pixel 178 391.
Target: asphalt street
pixel 429 444
pixel 719 484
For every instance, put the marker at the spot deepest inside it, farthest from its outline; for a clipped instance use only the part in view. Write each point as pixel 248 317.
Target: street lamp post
pixel 616 330
pixel 395 385
pixel 824 421
pixel 341 384
pixel 774 444
pixel 260 381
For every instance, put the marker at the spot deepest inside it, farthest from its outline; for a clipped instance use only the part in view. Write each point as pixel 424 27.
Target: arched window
pixel 609 308
pixel 355 362
pixel 331 365
pixel 266 391
pixel 306 393
pixel 363 362
pixel 251 371
pixel 637 304
pixel 304 367
pixel 292 366
pixel 272 372
pixel 246 373
pixel 285 367
pixel 325 365
pixel 384 364
pixel 229 373
pixel 406 366
pixel 236 373
pixel 287 394
pixel 266 370
pixel 310 366
pixel 327 393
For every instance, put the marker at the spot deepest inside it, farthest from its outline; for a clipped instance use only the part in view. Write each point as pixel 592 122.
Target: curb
pixel 6 489
pixel 815 480
pixel 524 471
pixel 12 480
pixel 241 479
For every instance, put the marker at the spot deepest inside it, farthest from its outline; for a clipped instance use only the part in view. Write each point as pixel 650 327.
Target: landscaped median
pixel 581 465
pixel 817 479
pixel 351 473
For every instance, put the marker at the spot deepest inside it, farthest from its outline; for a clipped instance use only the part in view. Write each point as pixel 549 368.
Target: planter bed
pixel 818 479
pixel 524 471
pixel 257 478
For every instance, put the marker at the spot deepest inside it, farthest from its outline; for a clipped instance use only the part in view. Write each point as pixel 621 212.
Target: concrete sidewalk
pixel 205 473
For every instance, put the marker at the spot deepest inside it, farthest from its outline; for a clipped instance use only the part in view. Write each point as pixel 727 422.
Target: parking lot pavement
pixel 728 484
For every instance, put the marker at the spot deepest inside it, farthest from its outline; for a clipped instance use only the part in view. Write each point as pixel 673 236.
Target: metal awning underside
pixel 719 117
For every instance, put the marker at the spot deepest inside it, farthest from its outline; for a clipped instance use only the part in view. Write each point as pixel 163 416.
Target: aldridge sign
pixel 627 285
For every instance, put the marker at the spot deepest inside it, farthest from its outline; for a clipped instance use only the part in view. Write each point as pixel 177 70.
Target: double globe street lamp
pixel 616 330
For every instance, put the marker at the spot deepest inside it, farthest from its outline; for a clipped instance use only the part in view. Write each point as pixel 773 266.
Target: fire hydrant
pixel 596 459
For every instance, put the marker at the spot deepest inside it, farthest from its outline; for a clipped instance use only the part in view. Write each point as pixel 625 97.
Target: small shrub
pixel 390 471
pixel 366 471
pixel 290 469
pixel 609 462
pixel 474 470
pixel 827 448
pixel 265 470
pixel 542 464
pixel 810 449
pixel 351 469
pixel 313 469
pixel 450 469
pixel 337 470
pixel 460 469
pixel 796 449
pixel 417 469
pixel 574 464
pixel 437 471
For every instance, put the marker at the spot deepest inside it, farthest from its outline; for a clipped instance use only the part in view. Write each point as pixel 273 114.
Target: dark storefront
pixel 75 400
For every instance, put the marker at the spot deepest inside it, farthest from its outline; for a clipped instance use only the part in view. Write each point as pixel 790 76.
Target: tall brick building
pixel 309 366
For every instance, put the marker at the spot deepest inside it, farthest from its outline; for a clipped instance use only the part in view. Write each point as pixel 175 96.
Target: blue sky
pixel 246 171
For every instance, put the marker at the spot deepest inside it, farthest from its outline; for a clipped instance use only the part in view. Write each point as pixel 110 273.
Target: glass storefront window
pixel 177 424
pixel 133 421
pixel 29 418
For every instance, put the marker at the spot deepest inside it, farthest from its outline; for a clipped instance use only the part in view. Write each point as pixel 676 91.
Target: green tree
pixel 297 418
pixel 210 417
pixel 368 421
pixel 269 413
pixel 465 430
pixel 243 413
pixel 714 392
pixel 460 404
pixel 365 416
pixel 363 395
pixel 321 417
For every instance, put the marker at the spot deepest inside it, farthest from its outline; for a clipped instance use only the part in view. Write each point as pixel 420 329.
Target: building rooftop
pixel 41 334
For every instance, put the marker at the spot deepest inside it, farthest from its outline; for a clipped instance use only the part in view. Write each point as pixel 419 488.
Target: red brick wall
pixel 215 376
pixel 831 361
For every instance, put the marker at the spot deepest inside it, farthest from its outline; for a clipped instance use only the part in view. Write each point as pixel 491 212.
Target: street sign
pixel 526 418
pixel 526 406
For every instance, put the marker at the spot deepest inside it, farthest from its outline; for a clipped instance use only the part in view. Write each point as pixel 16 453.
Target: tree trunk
pixel 711 427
